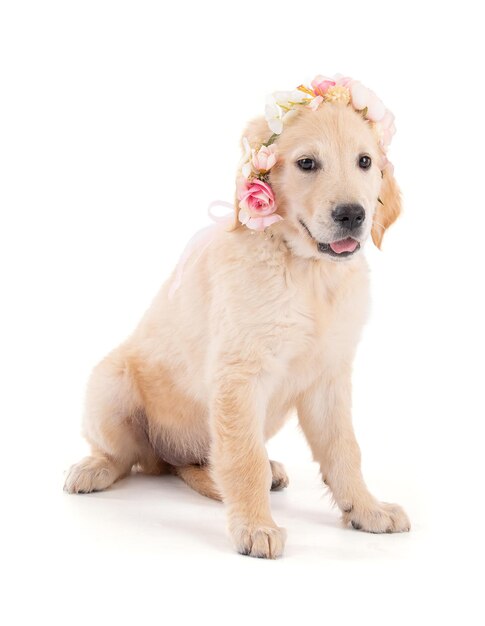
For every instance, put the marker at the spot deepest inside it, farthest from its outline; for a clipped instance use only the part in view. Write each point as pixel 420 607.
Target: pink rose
pixel 256 197
pixel 320 84
pixel 264 159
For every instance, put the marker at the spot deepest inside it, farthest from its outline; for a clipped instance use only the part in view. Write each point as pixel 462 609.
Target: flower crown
pixel 256 201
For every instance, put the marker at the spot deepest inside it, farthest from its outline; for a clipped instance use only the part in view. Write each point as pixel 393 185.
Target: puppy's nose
pixel 349 216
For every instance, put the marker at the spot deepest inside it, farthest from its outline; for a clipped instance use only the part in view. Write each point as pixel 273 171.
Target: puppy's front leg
pixel 325 416
pixel 241 467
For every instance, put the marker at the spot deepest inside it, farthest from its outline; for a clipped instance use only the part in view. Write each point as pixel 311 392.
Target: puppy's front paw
pixel 264 542
pixel 90 474
pixel 381 517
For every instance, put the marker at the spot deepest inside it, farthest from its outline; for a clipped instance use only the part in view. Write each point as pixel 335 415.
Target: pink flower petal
pixel 360 95
pixel 244 216
pixel 375 108
pixel 260 223
pixel 242 186
pixel 271 161
pixel 342 81
pixel 256 197
pixel 320 84
pixel 387 120
pixel 264 159
pixel 315 103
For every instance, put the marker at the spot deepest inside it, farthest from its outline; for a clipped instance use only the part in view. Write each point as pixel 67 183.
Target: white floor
pixel 149 548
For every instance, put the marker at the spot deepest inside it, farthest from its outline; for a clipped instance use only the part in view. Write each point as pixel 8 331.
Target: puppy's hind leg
pixel 113 425
pixel 199 478
pixel 280 478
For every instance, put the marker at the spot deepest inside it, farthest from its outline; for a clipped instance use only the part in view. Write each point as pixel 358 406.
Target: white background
pixel 119 123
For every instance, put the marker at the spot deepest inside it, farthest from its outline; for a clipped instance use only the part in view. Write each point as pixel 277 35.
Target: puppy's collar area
pixel 341 248
pixel 257 206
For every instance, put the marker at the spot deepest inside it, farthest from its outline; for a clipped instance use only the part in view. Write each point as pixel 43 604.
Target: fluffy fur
pixel 262 324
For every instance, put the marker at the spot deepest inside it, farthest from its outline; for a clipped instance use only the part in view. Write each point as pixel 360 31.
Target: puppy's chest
pixel 324 321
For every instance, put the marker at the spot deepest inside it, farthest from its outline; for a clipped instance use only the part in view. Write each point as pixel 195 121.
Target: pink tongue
pixel 344 245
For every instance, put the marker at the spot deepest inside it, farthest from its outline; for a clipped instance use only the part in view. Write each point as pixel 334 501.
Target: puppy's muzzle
pixel 349 217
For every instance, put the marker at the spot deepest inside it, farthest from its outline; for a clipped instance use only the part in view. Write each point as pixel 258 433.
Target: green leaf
pixel 271 140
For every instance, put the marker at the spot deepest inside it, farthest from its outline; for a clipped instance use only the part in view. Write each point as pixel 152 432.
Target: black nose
pixel 349 216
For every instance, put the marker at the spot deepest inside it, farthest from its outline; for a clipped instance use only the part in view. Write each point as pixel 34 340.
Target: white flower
pixel 274 115
pixel 245 162
pixel 246 169
pixel 247 149
pixel 282 104
pixel 288 99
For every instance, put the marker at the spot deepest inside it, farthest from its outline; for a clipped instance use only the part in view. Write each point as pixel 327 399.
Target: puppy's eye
pixel 307 164
pixel 365 161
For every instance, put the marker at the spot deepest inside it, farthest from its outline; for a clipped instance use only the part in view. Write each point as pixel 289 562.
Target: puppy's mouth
pixel 340 248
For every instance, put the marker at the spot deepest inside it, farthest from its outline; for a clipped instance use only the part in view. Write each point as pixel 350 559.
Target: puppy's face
pixel 328 183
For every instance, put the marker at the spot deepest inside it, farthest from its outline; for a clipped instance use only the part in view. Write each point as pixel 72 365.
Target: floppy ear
pixel 257 131
pixel 388 207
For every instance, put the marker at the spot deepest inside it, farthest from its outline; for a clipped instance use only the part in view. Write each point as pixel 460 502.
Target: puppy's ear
pixel 388 207
pixel 257 131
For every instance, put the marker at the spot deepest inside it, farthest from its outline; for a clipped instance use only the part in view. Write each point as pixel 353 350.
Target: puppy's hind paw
pixel 280 478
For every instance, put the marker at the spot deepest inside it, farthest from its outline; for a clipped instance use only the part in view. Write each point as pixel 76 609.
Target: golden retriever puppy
pixel 263 323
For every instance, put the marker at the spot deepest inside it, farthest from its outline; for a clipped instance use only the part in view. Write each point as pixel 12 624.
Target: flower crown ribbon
pixel 256 200
pixel 200 241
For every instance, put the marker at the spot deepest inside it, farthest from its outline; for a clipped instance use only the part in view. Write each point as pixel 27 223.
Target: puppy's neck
pixel 274 250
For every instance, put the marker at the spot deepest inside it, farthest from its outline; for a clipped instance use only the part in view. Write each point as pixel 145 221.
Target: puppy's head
pixel 330 183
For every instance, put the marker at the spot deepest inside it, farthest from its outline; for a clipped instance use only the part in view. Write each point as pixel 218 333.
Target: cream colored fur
pixel 262 324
